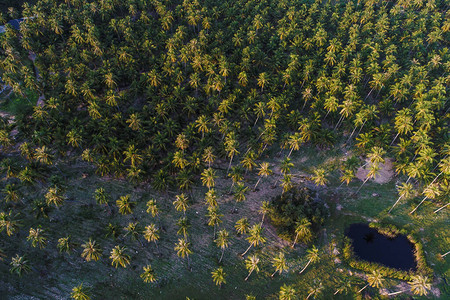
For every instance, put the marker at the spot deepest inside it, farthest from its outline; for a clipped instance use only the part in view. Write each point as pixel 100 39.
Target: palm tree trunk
pixel 290 152
pixel 395 293
pixel 247 250
pixel 363 184
pixel 295 241
pixel 223 251
pixel 229 165
pixel 395 204
pixel 445 254
pixel 354 129
pixel 309 295
pixel 248 275
pixel 305 267
pixel 273 274
pixel 437 210
pixel 337 291
pixel 262 220
pixel 259 179
pixel 337 124
pixel 418 205
pixel 363 288
pixel 394 138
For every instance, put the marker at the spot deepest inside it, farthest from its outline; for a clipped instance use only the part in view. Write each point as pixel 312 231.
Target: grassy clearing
pixel 55 274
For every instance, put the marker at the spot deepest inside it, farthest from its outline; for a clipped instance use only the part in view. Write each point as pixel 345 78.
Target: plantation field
pixel 82 218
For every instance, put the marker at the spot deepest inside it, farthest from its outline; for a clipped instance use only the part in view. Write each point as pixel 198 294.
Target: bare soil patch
pixel 385 174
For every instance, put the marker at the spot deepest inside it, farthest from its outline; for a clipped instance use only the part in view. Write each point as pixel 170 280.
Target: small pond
pixel 370 245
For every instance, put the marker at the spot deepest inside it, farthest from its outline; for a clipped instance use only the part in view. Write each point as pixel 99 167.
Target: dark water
pixel 372 246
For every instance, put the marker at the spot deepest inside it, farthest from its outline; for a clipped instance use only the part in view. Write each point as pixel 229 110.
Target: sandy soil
pixel 385 174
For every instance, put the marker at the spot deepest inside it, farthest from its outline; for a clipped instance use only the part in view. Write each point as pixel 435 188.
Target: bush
pixel 293 206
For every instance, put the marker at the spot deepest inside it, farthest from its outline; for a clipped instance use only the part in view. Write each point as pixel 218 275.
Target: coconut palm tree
pixel 208 177
pixel 91 251
pixel 181 203
pixel 148 275
pixel 211 198
pixel 11 193
pixel 319 176
pixel 218 276
pixel 183 226
pixel 251 263
pixel 242 225
pixel 279 263
pixel 119 257
pixel 37 237
pixel 263 171
pixel 54 196
pixel 287 292
pixel 302 231
pixel 255 237
pixel 214 218
pixel 312 256
pixel 151 234
pixel 19 265
pixel 152 207
pixel 182 248
pixel 222 241
pixel 80 293
pixel 263 210
pixel 65 244
pixel 406 191
pixel 125 205
pixel 375 279
pixel 208 156
pixel 431 192
pixel 420 285
pixel 8 223
pixel 315 289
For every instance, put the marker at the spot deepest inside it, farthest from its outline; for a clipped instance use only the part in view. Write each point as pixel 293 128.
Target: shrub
pixel 291 207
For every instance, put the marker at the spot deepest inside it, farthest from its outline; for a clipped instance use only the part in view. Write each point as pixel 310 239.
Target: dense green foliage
pixel 178 94
pixel 290 208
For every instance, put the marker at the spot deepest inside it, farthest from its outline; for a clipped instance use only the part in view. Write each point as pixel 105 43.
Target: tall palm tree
pixel 125 205
pixel 54 196
pixel 251 263
pixel 242 226
pixel 80 293
pixel 148 275
pixel 8 223
pixel 151 234
pixel 37 237
pixel 119 257
pixel 91 251
pixel 208 177
pixel 255 237
pixel 431 192
pixel 315 290
pixel 152 207
pixel 65 244
pixel 319 176
pixel 375 279
pixel 19 265
pixel 181 203
pixel 406 191
pixel 222 241
pixel 218 276
pixel 312 256
pixel 302 231
pixel 263 210
pixel 231 147
pixel 287 292
pixel 214 218
pixel 263 171
pixel 420 285
pixel 208 156
pixel 279 263
pixel 182 248
pixel 211 198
